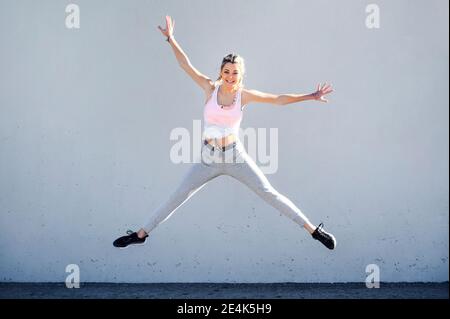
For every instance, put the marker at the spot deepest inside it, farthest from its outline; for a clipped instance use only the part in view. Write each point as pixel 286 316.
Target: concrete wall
pixel 86 115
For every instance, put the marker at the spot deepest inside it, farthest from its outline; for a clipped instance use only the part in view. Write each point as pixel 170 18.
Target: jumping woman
pixel 222 152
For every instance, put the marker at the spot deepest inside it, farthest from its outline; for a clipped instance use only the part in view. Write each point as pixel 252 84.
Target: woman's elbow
pixel 183 64
pixel 279 100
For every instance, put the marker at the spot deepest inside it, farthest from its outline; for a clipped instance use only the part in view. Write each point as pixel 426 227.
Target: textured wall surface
pixel 86 115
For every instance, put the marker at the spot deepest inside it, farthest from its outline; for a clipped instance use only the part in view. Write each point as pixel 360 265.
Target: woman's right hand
pixel 170 25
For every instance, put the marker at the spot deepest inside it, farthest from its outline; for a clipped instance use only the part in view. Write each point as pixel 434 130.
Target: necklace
pixel 227 106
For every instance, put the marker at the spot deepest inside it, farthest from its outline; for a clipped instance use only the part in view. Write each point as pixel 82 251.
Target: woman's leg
pixel 197 177
pixel 247 172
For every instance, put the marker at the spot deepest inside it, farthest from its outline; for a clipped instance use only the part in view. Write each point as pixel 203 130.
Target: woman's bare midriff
pixel 222 141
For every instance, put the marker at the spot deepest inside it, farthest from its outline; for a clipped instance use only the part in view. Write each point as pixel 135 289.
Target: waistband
pixel 223 148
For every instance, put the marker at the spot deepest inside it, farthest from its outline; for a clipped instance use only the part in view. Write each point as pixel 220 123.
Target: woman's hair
pixel 234 59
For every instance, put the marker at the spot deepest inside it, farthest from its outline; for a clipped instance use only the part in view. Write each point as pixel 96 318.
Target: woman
pixel 222 152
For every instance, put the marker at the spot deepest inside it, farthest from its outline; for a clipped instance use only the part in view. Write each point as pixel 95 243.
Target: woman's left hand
pixel 322 90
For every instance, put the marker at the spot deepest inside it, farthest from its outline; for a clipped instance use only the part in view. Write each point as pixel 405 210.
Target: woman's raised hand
pixel 322 90
pixel 170 25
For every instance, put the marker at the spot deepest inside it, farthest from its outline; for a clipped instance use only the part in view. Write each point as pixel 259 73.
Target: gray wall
pixel 84 140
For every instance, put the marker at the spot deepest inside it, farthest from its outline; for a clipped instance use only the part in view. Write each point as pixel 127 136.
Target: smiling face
pixel 231 74
pixel 232 71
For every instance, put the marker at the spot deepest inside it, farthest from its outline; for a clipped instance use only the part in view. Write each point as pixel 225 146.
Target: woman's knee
pixel 267 192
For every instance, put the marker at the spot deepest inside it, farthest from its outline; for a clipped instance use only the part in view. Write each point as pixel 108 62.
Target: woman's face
pixel 231 74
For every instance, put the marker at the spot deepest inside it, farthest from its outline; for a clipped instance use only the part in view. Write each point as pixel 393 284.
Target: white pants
pixel 234 162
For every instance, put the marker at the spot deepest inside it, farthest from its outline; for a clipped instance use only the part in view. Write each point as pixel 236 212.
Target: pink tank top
pixel 221 120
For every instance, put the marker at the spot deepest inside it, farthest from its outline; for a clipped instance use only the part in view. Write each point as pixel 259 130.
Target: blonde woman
pixel 222 152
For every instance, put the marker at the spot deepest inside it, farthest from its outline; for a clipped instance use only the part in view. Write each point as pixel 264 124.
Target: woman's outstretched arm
pixel 203 81
pixel 252 96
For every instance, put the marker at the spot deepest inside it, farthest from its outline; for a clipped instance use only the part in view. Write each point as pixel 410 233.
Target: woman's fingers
pixel 322 89
pixel 162 30
pixel 326 88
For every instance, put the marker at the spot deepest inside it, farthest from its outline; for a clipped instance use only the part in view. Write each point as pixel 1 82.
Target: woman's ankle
pixel 142 233
pixel 310 228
